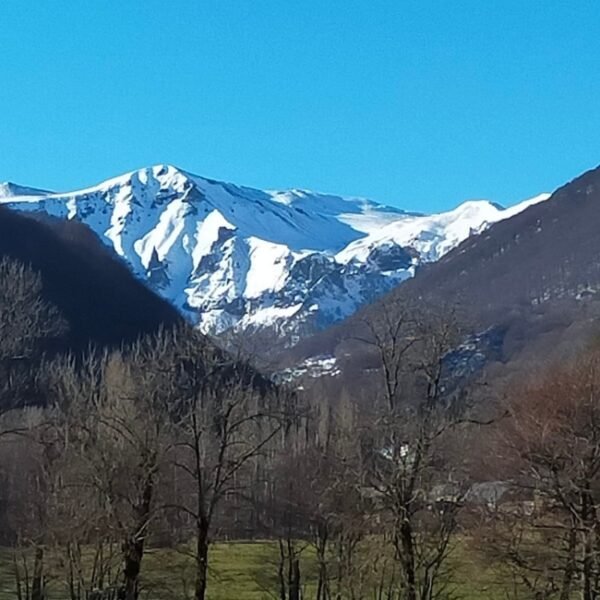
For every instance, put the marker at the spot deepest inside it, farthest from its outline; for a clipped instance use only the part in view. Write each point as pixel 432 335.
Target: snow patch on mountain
pixel 314 367
pixel 433 236
pixel 230 256
pixel 12 190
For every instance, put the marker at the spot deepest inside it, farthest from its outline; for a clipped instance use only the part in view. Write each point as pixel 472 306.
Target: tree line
pixel 172 443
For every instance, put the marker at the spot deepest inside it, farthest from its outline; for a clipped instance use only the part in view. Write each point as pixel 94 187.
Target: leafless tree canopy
pixel 173 443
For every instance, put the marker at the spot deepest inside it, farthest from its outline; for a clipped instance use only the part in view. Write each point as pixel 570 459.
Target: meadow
pixel 247 570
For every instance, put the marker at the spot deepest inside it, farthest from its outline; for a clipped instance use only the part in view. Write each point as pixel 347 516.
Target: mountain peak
pixel 477 205
pixel 234 256
pixel 8 189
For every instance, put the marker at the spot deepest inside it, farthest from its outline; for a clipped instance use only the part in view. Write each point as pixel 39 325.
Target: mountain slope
pixel 529 286
pixel 95 292
pixel 290 262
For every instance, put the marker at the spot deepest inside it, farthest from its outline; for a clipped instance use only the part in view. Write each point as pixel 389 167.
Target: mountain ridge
pixel 291 262
pixel 528 288
pixel 9 189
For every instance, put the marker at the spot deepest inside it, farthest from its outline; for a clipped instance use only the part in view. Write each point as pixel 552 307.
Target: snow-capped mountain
pixel 229 256
pixel 12 190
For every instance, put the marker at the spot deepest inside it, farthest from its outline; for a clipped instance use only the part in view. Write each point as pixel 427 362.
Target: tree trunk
pixel 323 582
pixel 294 584
pixel 408 560
pixel 202 526
pixel 571 566
pixel 133 548
pixel 37 584
pixel 281 571
pixel 588 550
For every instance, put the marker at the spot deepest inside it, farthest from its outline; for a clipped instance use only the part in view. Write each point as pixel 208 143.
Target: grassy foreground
pixel 248 571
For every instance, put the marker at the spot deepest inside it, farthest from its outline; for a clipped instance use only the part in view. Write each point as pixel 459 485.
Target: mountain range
pixel 229 257
pixel 528 288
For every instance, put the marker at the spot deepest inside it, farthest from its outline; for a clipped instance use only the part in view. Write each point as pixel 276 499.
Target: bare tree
pixel 78 390
pixel 28 326
pixel 317 502
pixel 550 449
pixel 120 407
pixel 227 418
pixel 411 466
pixel 26 319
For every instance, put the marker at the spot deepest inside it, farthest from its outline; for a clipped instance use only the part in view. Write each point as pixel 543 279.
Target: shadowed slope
pixel 101 300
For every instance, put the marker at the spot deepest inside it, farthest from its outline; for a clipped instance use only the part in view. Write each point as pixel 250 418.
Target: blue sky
pixel 421 104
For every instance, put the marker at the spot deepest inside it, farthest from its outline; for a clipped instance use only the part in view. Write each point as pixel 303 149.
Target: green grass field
pixel 248 568
pixel 248 571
